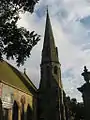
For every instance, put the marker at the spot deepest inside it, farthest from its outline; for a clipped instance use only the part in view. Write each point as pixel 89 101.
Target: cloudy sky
pixel 70 21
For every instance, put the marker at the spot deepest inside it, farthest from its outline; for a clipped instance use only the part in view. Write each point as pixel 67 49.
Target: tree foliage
pixel 75 109
pixel 26 5
pixel 15 42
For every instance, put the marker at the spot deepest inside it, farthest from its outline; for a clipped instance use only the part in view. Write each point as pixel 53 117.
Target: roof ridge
pixel 30 85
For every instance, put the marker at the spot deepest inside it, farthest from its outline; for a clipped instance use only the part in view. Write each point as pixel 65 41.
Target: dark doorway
pixel 29 113
pixel 15 111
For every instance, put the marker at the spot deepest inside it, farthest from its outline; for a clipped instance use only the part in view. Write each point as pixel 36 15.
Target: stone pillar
pixel 19 113
pixel 10 114
pixel 19 110
pixel 85 90
pixel 23 101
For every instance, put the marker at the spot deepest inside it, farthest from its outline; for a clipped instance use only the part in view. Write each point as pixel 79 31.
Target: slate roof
pixel 12 76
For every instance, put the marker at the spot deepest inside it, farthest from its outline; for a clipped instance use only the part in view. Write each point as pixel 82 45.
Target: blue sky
pixel 71 29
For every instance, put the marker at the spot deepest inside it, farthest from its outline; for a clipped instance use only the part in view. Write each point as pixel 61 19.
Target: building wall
pixel 10 96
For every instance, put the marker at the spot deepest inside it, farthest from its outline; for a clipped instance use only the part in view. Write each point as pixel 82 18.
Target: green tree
pixel 16 42
pixel 75 109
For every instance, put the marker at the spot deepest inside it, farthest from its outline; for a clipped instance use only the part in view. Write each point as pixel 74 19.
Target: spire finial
pixel 47 8
pixel 24 70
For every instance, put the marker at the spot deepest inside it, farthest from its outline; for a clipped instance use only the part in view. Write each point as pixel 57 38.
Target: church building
pixel 21 100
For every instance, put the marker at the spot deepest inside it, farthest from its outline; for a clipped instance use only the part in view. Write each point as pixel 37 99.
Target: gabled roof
pixel 12 76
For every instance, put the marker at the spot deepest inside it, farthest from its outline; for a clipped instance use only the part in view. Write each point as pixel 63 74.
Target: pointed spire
pixel 49 52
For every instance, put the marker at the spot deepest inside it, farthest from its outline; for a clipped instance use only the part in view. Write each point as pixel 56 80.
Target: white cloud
pixel 77 8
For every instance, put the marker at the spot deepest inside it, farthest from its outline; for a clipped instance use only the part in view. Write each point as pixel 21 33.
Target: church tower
pixel 51 106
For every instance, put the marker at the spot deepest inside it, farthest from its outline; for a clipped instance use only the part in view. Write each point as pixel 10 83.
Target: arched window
pixel 15 111
pixel 55 70
pixel 29 113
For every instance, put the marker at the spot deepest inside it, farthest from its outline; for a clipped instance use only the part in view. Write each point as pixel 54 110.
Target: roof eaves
pixel 27 84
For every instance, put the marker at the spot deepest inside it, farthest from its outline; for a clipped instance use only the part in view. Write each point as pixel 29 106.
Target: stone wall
pixel 16 104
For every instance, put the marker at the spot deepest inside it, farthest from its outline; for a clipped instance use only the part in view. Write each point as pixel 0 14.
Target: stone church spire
pixel 51 105
pixel 49 52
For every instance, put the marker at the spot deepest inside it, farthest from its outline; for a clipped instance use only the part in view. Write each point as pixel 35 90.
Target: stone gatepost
pixel 85 90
